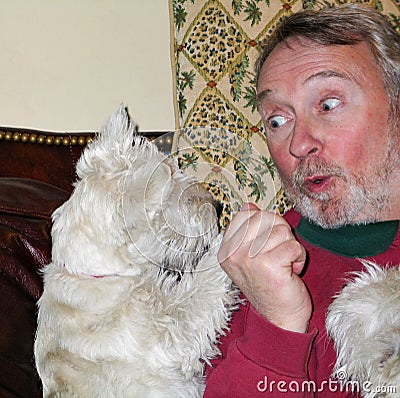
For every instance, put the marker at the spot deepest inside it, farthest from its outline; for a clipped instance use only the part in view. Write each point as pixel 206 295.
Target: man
pixel 328 92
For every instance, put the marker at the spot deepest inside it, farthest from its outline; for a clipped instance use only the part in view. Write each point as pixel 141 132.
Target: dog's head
pixel 131 206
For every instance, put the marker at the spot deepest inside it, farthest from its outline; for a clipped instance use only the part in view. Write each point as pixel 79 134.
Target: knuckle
pixel 295 247
pixel 228 255
pixel 283 231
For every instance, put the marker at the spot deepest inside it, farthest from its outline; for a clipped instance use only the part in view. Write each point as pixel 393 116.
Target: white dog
pixel 364 322
pixel 134 300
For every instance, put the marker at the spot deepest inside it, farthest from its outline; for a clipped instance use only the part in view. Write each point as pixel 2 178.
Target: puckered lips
pixel 317 183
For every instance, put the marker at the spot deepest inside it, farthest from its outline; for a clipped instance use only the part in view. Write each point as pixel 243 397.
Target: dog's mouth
pixel 176 270
pixel 167 273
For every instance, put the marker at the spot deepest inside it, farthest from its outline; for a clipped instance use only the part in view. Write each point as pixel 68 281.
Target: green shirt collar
pixel 352 240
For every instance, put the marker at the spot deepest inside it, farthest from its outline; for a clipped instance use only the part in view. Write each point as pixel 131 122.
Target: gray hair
pixel 345 25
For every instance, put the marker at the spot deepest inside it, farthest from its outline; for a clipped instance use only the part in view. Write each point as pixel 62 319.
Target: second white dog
pixel 364 323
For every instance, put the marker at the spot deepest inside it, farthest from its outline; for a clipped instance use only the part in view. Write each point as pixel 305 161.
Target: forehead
pixel 296 60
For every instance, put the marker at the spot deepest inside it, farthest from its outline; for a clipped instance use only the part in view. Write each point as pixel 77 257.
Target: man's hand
pixel 261 255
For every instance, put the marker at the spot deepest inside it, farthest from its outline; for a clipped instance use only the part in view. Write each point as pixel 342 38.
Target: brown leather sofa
pixel 37 170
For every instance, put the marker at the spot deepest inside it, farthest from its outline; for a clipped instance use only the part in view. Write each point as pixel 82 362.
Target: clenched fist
pixel 261 255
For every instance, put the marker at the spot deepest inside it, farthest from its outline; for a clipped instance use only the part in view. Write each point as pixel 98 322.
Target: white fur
pixel 364 322
pixel 134 300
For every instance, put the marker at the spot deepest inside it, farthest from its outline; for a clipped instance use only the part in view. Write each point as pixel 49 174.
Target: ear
pixel 118 133
pixel 111 149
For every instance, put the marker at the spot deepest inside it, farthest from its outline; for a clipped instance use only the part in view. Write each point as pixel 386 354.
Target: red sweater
pixel 260 359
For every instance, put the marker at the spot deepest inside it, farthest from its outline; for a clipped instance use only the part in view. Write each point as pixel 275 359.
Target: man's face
pixel 326 115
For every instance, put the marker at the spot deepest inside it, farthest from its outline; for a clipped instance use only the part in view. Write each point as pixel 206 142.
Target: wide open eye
pixel 277 121
pixel 329 104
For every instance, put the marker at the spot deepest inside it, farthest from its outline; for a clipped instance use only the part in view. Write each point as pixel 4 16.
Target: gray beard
pixel 367 194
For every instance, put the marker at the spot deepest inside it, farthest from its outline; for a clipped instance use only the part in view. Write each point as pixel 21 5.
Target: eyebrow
pixel 325 74
pixel 262 95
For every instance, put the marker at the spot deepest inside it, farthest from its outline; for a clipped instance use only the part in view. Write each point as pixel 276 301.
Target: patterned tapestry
pixel 215 44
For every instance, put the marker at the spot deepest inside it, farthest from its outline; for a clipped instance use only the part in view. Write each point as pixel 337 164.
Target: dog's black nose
pixel 218 208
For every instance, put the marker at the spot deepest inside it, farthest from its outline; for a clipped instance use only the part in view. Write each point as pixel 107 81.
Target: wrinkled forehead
pixel 297 59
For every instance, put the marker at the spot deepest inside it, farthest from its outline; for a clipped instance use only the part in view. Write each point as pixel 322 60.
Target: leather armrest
pixel 25 247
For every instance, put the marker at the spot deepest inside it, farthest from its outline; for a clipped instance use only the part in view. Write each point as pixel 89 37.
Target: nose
pixel 218 208
pixel 305 139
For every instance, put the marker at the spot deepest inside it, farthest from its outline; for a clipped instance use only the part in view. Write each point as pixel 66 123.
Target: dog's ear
pixel 118 132
pixel 111 149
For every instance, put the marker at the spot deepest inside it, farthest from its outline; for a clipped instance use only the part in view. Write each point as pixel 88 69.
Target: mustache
pixel 314 166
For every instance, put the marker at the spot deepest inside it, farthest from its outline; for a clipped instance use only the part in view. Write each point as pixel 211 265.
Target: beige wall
pixel 66 65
